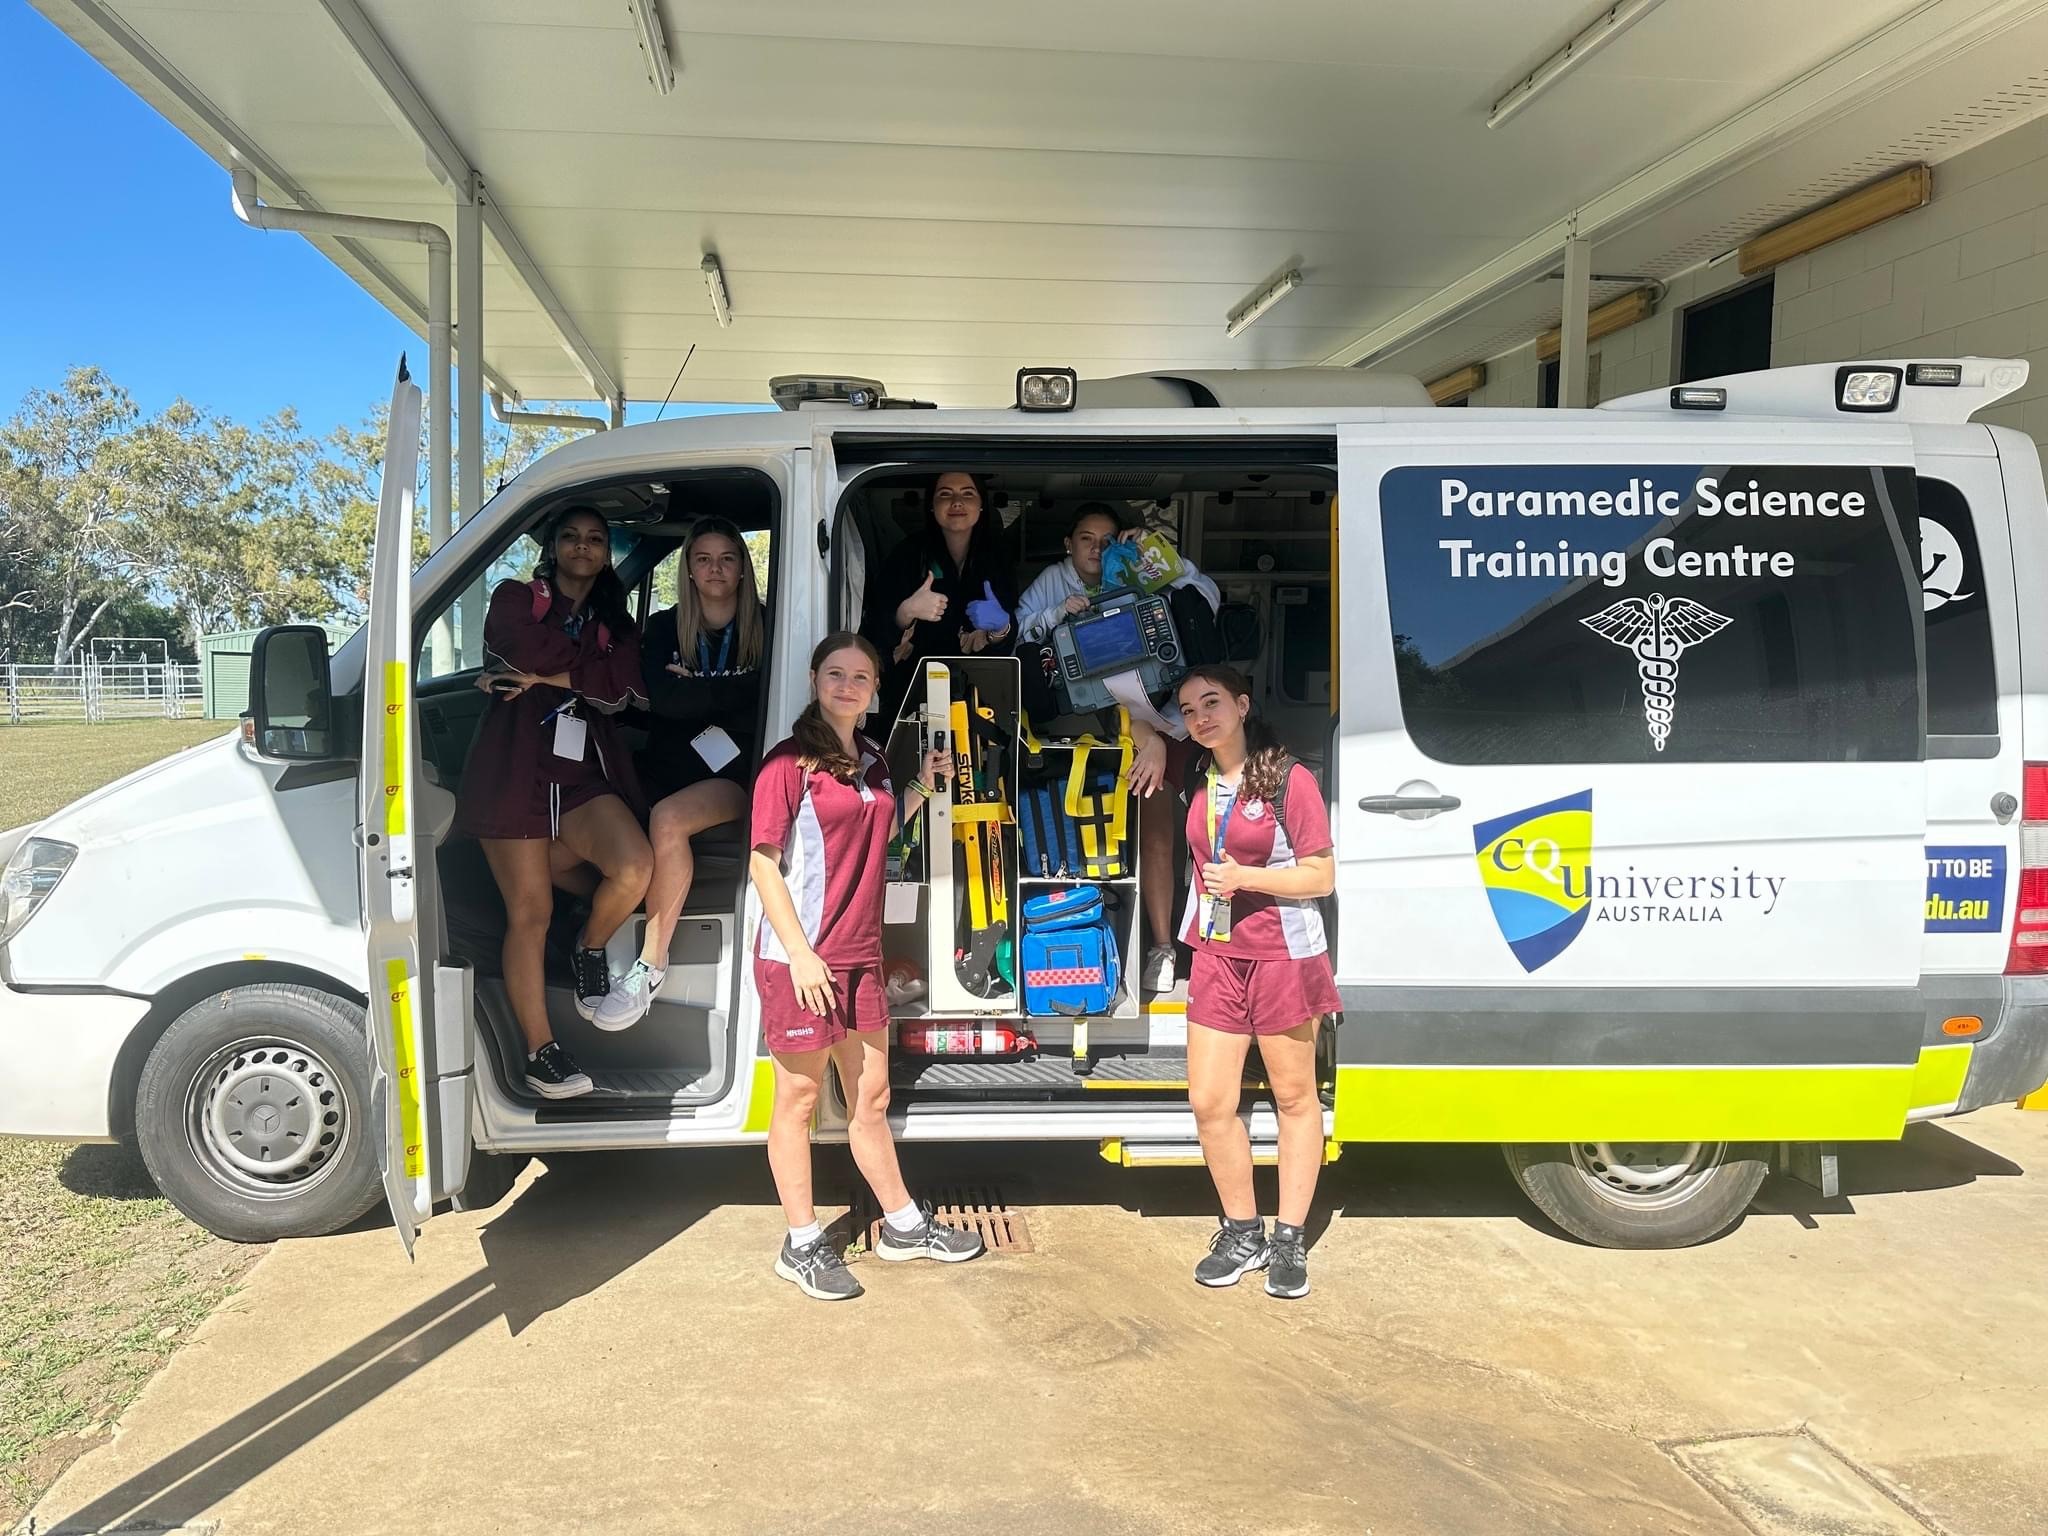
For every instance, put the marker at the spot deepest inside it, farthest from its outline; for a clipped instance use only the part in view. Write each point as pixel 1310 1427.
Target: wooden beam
pixel 1633 307
pixel 1848 215
pixel 1456 386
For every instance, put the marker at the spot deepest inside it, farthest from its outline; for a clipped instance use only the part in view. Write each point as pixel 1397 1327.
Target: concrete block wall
pixel 1966 274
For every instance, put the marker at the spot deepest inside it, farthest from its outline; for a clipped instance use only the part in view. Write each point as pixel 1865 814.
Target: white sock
pixel 805 1235
pixel 909 1219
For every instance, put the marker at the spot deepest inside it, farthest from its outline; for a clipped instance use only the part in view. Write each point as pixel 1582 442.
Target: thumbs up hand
pixel 922 606
pixel 1226 878
pixel 988 614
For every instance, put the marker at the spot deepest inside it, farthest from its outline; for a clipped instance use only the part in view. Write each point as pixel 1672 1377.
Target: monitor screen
pixel 1109 643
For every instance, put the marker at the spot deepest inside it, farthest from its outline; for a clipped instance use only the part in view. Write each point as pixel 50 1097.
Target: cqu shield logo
pixel 1537 867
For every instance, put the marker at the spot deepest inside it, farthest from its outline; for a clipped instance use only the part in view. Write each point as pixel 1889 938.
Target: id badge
pixel 1217 925
pixel 571 734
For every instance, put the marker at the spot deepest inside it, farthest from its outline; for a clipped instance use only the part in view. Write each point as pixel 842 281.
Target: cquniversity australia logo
pixel 1537 866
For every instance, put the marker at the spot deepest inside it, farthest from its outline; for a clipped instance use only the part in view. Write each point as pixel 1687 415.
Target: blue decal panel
pixel 1966 889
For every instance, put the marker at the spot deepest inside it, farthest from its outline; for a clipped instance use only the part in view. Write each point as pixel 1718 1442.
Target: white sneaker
pixel 1157 976
pixel 629 999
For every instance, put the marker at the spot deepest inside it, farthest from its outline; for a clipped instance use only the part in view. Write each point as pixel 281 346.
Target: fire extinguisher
pixel 919 1039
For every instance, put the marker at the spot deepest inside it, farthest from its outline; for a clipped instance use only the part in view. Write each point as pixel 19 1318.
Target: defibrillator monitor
pixel 1109 642
pixel 1123 631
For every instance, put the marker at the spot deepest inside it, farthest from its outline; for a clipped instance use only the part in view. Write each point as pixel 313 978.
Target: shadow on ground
pixel 586 1219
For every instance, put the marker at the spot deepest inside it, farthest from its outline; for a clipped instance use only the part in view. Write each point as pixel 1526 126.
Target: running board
pixel 1188 1154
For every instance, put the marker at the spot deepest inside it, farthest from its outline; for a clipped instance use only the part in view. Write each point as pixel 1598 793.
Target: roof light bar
pixel 1693 397
pixel 1240 319
pixel 1941 375
pixel 1604 29
pixel 661 69
pixel 714 280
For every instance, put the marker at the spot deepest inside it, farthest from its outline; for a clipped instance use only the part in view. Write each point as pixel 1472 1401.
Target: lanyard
pixel 704 667
pixel 1218 831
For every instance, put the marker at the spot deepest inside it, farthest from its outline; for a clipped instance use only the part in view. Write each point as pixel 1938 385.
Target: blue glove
pixel 1120 564
pixel 986 613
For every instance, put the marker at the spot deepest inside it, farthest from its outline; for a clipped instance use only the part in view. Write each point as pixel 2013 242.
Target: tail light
pixel 2029 954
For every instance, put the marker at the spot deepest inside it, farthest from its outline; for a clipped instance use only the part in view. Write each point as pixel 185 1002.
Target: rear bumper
pixel 2010 1058
pixel 61 1049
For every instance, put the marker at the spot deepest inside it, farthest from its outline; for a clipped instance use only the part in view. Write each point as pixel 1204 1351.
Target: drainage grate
pixel 971 1207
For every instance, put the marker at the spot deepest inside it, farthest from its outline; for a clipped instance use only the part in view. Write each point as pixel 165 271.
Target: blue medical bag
pixel 1070 959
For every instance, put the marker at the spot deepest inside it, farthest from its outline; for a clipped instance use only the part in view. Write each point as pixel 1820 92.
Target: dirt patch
pixel 100 1280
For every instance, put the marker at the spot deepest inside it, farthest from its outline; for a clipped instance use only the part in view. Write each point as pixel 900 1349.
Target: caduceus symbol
pixel 1657 628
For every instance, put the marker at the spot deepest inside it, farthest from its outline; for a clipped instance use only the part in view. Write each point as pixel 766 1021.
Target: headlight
pixel 38 864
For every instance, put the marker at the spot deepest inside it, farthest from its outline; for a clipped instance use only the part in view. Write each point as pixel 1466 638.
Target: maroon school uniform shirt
pixel 834 838
pixel 1262 927
pixel 515 784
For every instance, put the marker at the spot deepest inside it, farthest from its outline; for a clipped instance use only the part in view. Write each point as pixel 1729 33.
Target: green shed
pixel 224 667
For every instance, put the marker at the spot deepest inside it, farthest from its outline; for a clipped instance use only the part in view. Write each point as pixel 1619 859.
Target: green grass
pixel 100 1279
pixel 46 766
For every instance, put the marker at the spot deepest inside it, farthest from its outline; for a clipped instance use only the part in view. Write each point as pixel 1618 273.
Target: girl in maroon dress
pixel 550 787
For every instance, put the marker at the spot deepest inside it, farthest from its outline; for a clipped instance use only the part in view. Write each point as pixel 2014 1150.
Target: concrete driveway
pixel 607 1350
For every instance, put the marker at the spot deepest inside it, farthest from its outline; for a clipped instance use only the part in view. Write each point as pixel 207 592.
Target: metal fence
pixel 93 691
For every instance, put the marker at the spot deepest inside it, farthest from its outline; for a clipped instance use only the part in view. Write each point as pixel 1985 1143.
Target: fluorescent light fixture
pixel 1604 29
pixel 1240 318
pixel 661 69
pixel 714 280
pixel 1849 214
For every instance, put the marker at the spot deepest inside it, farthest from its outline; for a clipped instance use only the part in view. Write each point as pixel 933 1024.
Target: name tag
pixel 571 736
pixel 715 747
pixel 1216 920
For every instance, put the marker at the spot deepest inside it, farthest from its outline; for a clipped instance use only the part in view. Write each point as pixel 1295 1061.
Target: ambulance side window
pixel 1631 613
pixel 1962 679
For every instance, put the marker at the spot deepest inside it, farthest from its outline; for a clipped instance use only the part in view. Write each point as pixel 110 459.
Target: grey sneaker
pixel 818 1270
pixel 1287 1269
pixel 629 999
pixel 1157 976
pixel 1233 1253
pixel 931 1240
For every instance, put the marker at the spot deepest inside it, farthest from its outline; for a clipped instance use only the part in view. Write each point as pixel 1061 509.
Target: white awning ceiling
pixel 934 194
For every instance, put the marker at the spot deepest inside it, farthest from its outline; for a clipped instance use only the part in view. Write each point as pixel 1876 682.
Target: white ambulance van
pixel 1687 760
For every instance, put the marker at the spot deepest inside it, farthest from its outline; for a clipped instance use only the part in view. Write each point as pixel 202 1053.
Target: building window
pixel 1729 333
pixel 1638 613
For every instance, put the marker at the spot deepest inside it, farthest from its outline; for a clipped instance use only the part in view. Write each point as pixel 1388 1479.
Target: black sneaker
pixel 929 1240
pixel 1233 1253
pixel 552 1073
pixel 818 1270
pixel 593 979
pixel 1287 1269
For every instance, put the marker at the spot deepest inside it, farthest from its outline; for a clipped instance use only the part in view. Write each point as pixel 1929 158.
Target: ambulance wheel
pixel 1640 1194
pixel 252 1114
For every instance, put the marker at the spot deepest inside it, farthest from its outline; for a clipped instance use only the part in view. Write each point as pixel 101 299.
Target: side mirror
pixel 291 701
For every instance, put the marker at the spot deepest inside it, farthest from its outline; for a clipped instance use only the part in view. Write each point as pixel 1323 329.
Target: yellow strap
pixel 988 810
pixel 1077 777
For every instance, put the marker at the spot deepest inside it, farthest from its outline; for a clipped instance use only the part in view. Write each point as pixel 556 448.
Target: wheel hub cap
pixel 267 1116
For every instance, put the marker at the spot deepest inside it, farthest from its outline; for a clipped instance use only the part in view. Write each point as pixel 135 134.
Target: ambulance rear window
pixel 1962 679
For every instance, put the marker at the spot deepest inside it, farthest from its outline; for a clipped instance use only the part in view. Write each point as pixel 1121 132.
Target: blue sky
pixel 137 264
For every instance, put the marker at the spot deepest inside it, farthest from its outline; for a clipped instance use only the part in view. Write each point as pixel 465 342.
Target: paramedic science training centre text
pixel 1640 498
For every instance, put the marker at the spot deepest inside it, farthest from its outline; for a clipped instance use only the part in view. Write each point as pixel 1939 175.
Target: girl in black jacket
pixel 701 662
pixel 947 591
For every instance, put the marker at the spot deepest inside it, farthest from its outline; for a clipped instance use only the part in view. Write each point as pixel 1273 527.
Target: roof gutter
pixel 440 321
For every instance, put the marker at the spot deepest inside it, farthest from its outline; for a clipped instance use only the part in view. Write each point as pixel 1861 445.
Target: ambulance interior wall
pixel 1967 274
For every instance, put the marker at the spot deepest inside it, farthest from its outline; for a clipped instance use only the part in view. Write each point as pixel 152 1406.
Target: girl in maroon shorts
pixel 1260 836
pixel 824 811
pixel 549 788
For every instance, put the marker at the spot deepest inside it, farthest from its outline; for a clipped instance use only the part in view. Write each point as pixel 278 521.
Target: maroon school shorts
pixel 1259 997
pixel 858 1004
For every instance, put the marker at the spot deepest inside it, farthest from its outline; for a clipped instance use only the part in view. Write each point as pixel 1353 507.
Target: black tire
pixel 1590 1192
pixel 295 1057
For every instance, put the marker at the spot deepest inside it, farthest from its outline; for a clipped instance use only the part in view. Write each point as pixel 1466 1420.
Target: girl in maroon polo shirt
pixel 824 811
pixel 1260 835
pixel 549 789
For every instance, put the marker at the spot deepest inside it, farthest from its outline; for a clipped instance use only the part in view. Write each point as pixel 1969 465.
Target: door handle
pixel 1396 805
